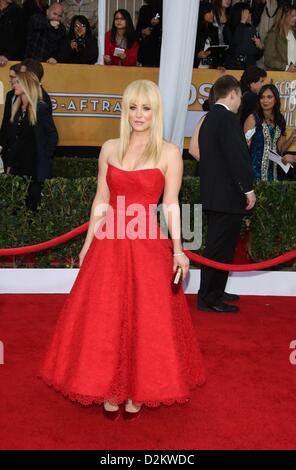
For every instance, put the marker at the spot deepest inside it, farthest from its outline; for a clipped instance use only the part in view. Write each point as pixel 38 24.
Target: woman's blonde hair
pixel 147 92
pixel 281 19
pixel 32 89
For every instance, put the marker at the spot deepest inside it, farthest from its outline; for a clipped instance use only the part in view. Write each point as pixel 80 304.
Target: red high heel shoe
pixel 111 415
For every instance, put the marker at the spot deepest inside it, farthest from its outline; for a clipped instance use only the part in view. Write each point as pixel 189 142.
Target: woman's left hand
pixel 122 56
pixel 183 262
pixel 73 45
pixel 258 42
pixel 288 158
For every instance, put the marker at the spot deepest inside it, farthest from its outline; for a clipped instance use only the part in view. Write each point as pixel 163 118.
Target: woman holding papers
pixel 121 42
pixel 265 132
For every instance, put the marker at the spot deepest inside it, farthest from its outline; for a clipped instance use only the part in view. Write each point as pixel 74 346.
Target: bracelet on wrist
pixel 179 254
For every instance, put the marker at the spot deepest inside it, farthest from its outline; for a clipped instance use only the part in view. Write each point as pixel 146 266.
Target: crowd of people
pixel 230 34
pixel 66 32
pixel 235 35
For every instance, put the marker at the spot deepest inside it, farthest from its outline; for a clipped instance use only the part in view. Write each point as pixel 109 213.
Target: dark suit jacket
pixel 225 168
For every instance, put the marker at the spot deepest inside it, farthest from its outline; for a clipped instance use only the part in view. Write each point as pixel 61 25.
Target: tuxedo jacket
pixel 226 172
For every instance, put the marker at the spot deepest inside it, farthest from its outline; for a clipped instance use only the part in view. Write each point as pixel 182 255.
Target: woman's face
pixel 12 77
pixel 226 3
pixel 18 89
pixel 79 29
pixel 291 19
pixel 267 100
pixel 140 115
pixel 246 16
pixel 119 21
pixel 209 17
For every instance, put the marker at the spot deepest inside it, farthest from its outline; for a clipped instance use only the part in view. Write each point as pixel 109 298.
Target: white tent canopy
pixel 177 54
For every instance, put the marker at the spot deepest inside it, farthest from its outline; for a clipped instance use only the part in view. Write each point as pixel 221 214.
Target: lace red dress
pixel 123 332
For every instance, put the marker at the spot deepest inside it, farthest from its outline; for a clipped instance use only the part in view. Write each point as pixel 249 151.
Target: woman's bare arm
pixel 194 146
pixel 171 208
pixel 101 198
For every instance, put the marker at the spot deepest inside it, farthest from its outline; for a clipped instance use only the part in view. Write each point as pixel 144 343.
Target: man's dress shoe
pixel 230 297
pixel 219 308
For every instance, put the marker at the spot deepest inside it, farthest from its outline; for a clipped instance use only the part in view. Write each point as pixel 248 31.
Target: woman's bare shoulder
pixel 171 153
pixel 109 149
pixel 171 157
pixel 110 145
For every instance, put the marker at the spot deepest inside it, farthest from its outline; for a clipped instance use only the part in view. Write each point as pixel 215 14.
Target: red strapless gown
pixel 123 332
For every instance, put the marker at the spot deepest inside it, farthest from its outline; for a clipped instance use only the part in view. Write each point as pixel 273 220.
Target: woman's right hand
pixel 82 255
pixel 291 68
pixel 203 54
pixel 146 32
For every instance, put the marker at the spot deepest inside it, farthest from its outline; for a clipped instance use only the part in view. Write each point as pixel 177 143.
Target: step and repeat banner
pixel 86 99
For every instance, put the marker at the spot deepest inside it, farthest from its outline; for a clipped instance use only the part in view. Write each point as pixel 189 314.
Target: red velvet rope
pixel 192 256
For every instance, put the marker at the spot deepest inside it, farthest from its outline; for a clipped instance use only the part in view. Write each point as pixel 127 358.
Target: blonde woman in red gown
pixel 124 335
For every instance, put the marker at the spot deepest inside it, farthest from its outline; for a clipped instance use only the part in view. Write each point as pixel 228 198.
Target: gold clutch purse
pixel 177 277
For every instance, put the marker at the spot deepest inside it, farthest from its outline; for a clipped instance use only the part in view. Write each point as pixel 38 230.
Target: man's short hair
pixel 251 75
pixel 225 85
pixel 34 66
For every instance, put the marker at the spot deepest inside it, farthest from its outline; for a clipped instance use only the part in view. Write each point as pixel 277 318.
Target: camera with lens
pixel 241 60
pixel 80 41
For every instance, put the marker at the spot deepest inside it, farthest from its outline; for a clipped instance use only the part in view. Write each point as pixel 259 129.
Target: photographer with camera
pixel 81 46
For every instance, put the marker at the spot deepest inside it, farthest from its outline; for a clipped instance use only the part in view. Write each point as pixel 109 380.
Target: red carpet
pixel 248 401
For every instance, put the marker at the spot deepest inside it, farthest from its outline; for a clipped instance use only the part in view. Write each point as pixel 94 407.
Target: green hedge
pixel 66 167
pixel 66 204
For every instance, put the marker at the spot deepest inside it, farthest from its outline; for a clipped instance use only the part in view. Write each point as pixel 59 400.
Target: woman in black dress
pixel 32 136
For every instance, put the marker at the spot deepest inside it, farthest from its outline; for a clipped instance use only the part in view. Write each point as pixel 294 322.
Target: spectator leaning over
pixel 87 8
pixel 251 83
pixel 221 16
pixel 121 44
pixel 207 35
pixel 46 35
pixel 81 47
pixel 265 130
pixel 244 41
pixel 36 67
pixel 9 100
pixel 11 32
pixel 149 29
pixel 280 42
pixel 32 136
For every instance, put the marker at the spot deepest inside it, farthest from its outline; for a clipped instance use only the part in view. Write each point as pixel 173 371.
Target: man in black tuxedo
pixel 226 179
